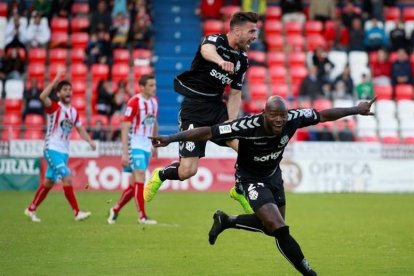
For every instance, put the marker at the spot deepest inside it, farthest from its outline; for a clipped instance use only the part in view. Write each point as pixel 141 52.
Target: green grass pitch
pixel 340 234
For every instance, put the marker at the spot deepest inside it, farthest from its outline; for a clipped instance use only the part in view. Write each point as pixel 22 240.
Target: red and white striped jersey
pixel 60 121
pixel 142 114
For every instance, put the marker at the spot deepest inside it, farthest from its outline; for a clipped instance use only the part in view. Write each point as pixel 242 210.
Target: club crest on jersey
pixel 225 129
pixel 66 126
pixel 149 120
pixel 284 140
pixel 307 113
pixel 238 65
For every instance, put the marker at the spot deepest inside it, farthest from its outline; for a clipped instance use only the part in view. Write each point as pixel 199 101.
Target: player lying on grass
pixel 61 118
pixel 262 140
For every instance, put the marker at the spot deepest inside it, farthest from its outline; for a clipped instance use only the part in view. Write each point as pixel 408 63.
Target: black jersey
pixel 205 79
pixel 260 153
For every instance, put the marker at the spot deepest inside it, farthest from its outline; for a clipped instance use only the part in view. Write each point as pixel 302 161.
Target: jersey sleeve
pixel 239 128
pixel 131 110
pixel 215 40
pixel 52 108
pixel 304 117
pixel 241 69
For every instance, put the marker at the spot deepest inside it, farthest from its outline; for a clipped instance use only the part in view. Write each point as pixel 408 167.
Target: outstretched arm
pixel 332 114
pixel 195 134
pixel 44 96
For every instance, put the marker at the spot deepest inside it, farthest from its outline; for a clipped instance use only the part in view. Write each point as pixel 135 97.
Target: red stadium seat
pixel 116 120
pixel 273 12
pixel 36 71
pixel 298 73
pixel 275 42
pixel 315 41
pixel 392 13
pixel 412 62
pixel 212 26
pixel 228 11
pixel 100 72
pixel 256 74
pixel 80 8
pixel 321 104
pixel 96 117
pixel 12 120
pixel 37 55
pixel 33 134
pixel 273 27
pixel 54 68
pixel 383 92
pixel 258 91
pixel 296 42
pixel 10 134
pixel 77 55
pixel 59 24
pixel 80 40
pixel 297 59
pixel 141 70
pixel 142 54
pixel 79 72
pixel 404 92
pixel 391 140
pixel 120 71
pixel 34 121
pixel 79 102
pixel 121 56
pixel 58 55
pixel 408 13
pixel 257 56
pixel 59 39
pixel 281 90
pixel 408 140
pixel 79 88
pixel 293 28
pixel 13 106
pixel 79 24
pixel 3 9
pixel 74 135
pixel 313 27
pixel 276 59
pixel 277 74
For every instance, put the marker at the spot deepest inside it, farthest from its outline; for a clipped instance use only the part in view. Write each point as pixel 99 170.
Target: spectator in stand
pixel 347 80
pixel 349 13
pixel 381 68
pixel 14 64
pixel 373 8
pixel 375 37
pixel 98 131
pixel 292 10
pixel 257 6
pixel 356 36
pixel 346 134
pixel 209 9
pixel 119 30
pixel 62 8
pixel 99 49
pixel 322 10
pixel 320 59
pixel 120 98
pixel 32 103
pixel 17 7
pixel 339 91
pixel 15 33
pixel 140 35
pixel 38 32
pixel 100 18
pixel 119 6
pixel 140 10
pixel 43 7
pixel 338 36
pixel 412 42
pixel 401 69
pixel 365 90
pixel 104 100
pixel 398 37
pixel 311 87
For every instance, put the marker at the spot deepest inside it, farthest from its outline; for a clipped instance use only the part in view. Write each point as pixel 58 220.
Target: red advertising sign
pixel 105 174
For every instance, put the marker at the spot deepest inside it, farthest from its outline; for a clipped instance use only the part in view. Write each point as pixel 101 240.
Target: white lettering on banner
pixel 24 148
pixel 83 149
pixel 108 178
pixel 18 166
pixel 202 181
pixel 344 150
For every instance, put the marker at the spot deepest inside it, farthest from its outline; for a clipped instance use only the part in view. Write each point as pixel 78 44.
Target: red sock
pixel 125 198
pixel 139 199
pixel 40 195
pixel 70 196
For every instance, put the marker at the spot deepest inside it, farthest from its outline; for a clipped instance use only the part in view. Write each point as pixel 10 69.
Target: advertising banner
pixel 19 173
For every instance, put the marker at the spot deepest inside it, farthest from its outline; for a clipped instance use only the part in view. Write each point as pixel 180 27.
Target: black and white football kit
pixel 203 86
pixel 258 173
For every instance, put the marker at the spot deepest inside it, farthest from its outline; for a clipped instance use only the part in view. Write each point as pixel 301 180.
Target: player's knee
pixel 271 225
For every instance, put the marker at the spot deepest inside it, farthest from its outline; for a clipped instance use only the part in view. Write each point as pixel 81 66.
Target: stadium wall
pixel 314 167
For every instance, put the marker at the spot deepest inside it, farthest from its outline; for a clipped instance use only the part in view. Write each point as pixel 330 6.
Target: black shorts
pixel 194 113
pixel 261 190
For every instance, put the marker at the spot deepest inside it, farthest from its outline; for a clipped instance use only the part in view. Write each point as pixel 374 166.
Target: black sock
pixel 290 249
pixel 246 222
pixel 170 172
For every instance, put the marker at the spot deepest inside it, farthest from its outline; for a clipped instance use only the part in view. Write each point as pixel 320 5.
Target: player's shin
pixel 290 249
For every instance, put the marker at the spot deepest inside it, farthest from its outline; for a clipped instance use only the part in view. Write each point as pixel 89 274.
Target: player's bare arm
pixel 234 104
pixel 44 96
pixel 332 114
pixel 154 134
pixel 85 136
pixel 124 139
pixel 209 52
pixel 195 134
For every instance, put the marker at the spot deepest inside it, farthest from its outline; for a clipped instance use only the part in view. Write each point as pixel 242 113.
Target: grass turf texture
pixel 340 234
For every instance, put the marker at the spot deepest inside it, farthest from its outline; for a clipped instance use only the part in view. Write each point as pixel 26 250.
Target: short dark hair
pixel 241 18
pixel 61 84
pixel 144 78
